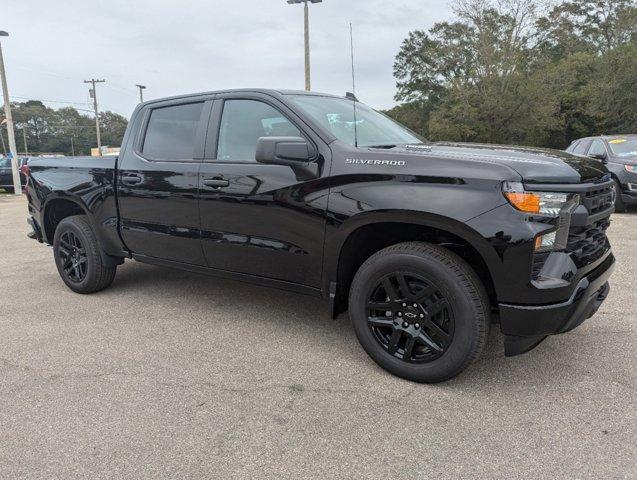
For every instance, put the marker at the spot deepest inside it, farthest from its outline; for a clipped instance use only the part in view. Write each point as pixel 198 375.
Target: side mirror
pixel 599 156
pixel 282 150
pixel 291 151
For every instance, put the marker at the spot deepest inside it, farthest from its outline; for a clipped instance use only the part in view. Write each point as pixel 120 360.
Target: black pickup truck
pixel 426 244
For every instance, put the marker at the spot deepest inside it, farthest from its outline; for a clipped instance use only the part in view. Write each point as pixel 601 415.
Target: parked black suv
pixel 619 154
pixel 424 243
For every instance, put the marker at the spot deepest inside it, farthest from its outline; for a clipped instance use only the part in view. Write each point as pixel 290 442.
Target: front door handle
pixel 216 182
pixel 131 179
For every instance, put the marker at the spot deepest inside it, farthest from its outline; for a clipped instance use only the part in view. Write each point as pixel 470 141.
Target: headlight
pixel 631 168
pixel 543 203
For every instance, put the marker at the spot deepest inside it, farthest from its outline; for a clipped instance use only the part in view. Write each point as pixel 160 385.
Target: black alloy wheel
pixel 73 256
pixel 419 311
pixel 79 257
pixel 410 317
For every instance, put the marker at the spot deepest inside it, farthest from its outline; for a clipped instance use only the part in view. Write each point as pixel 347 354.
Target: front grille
pixel 584 244
pixel 599 199
pixel 587 244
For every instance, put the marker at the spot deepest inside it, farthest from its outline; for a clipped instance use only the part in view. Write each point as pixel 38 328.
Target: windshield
pixel 373 129
pixel 623 147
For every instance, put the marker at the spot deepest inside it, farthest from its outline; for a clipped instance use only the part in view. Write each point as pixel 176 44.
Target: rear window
pixel 5 163
pixel 171 131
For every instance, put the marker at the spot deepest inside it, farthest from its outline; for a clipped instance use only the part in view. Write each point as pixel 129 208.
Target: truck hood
pixel 534 165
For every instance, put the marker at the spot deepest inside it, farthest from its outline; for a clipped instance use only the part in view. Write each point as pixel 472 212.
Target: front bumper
pixel 525 326
pixel 631 197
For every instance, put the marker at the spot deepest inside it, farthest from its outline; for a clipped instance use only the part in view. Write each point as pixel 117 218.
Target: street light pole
pixel 306 32
pixel 141 93
pixel 17 187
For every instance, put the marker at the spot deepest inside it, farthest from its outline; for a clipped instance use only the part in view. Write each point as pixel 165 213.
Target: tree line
pixel 60 131
pixel 521 72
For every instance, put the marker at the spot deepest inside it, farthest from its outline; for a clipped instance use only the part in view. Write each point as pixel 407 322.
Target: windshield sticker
pixel 617 140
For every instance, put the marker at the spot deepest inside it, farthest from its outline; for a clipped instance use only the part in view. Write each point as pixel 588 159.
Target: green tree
pixel 507 71
pixel 613 91
pixel 112 128
pixel 473 71
pixel 64 130
pixel 598 25
pixel 34 118
pixel 415 114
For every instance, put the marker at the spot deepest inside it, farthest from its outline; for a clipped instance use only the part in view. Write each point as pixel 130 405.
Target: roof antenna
pixel 353 94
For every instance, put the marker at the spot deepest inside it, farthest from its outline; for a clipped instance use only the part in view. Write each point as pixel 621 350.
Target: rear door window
pixel 581 147
pixel 171 132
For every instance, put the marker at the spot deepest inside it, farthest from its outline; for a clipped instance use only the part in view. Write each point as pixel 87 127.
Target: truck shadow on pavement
pixel 309 326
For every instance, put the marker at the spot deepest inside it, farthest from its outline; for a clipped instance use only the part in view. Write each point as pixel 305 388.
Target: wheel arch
pixel 56 209
pixel 363 235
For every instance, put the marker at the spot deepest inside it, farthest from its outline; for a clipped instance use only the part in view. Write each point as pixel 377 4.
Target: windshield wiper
pixel 382 146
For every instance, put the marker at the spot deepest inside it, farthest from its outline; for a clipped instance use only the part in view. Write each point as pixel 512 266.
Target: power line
pixel 48 101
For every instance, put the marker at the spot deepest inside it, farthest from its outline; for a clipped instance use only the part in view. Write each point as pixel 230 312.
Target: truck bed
pixel 86 184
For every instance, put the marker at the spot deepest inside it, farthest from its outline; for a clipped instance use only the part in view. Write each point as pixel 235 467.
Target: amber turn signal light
pixel 524 201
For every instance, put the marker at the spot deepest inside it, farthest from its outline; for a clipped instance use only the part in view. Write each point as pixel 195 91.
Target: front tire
pixel 78 256
pixel 419 311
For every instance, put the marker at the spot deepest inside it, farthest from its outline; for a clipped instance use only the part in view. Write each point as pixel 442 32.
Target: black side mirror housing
pixel 600 156
pixel 295 152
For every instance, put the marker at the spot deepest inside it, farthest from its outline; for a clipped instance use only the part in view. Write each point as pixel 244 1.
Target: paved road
pixel 173 375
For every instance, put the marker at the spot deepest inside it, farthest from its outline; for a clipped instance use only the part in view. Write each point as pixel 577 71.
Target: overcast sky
pixel 189 46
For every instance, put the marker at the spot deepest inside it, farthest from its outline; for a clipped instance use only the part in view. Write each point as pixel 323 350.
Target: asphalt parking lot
pixel 170 374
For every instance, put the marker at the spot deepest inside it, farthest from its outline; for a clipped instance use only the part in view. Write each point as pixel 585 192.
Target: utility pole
pixel 306 29
pixel 141 93
pixel 93 81
pixel 24 137
pixel 4 146
pixel 17 186
pixel 72 147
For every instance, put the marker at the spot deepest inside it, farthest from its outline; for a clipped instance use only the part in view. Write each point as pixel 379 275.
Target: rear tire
pixel 78 256
pixel 420 311
pixel 620 207
pixel 9 189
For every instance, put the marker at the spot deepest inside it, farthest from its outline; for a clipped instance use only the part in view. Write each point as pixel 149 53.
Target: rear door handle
pixel 131 179
pixel 216 182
